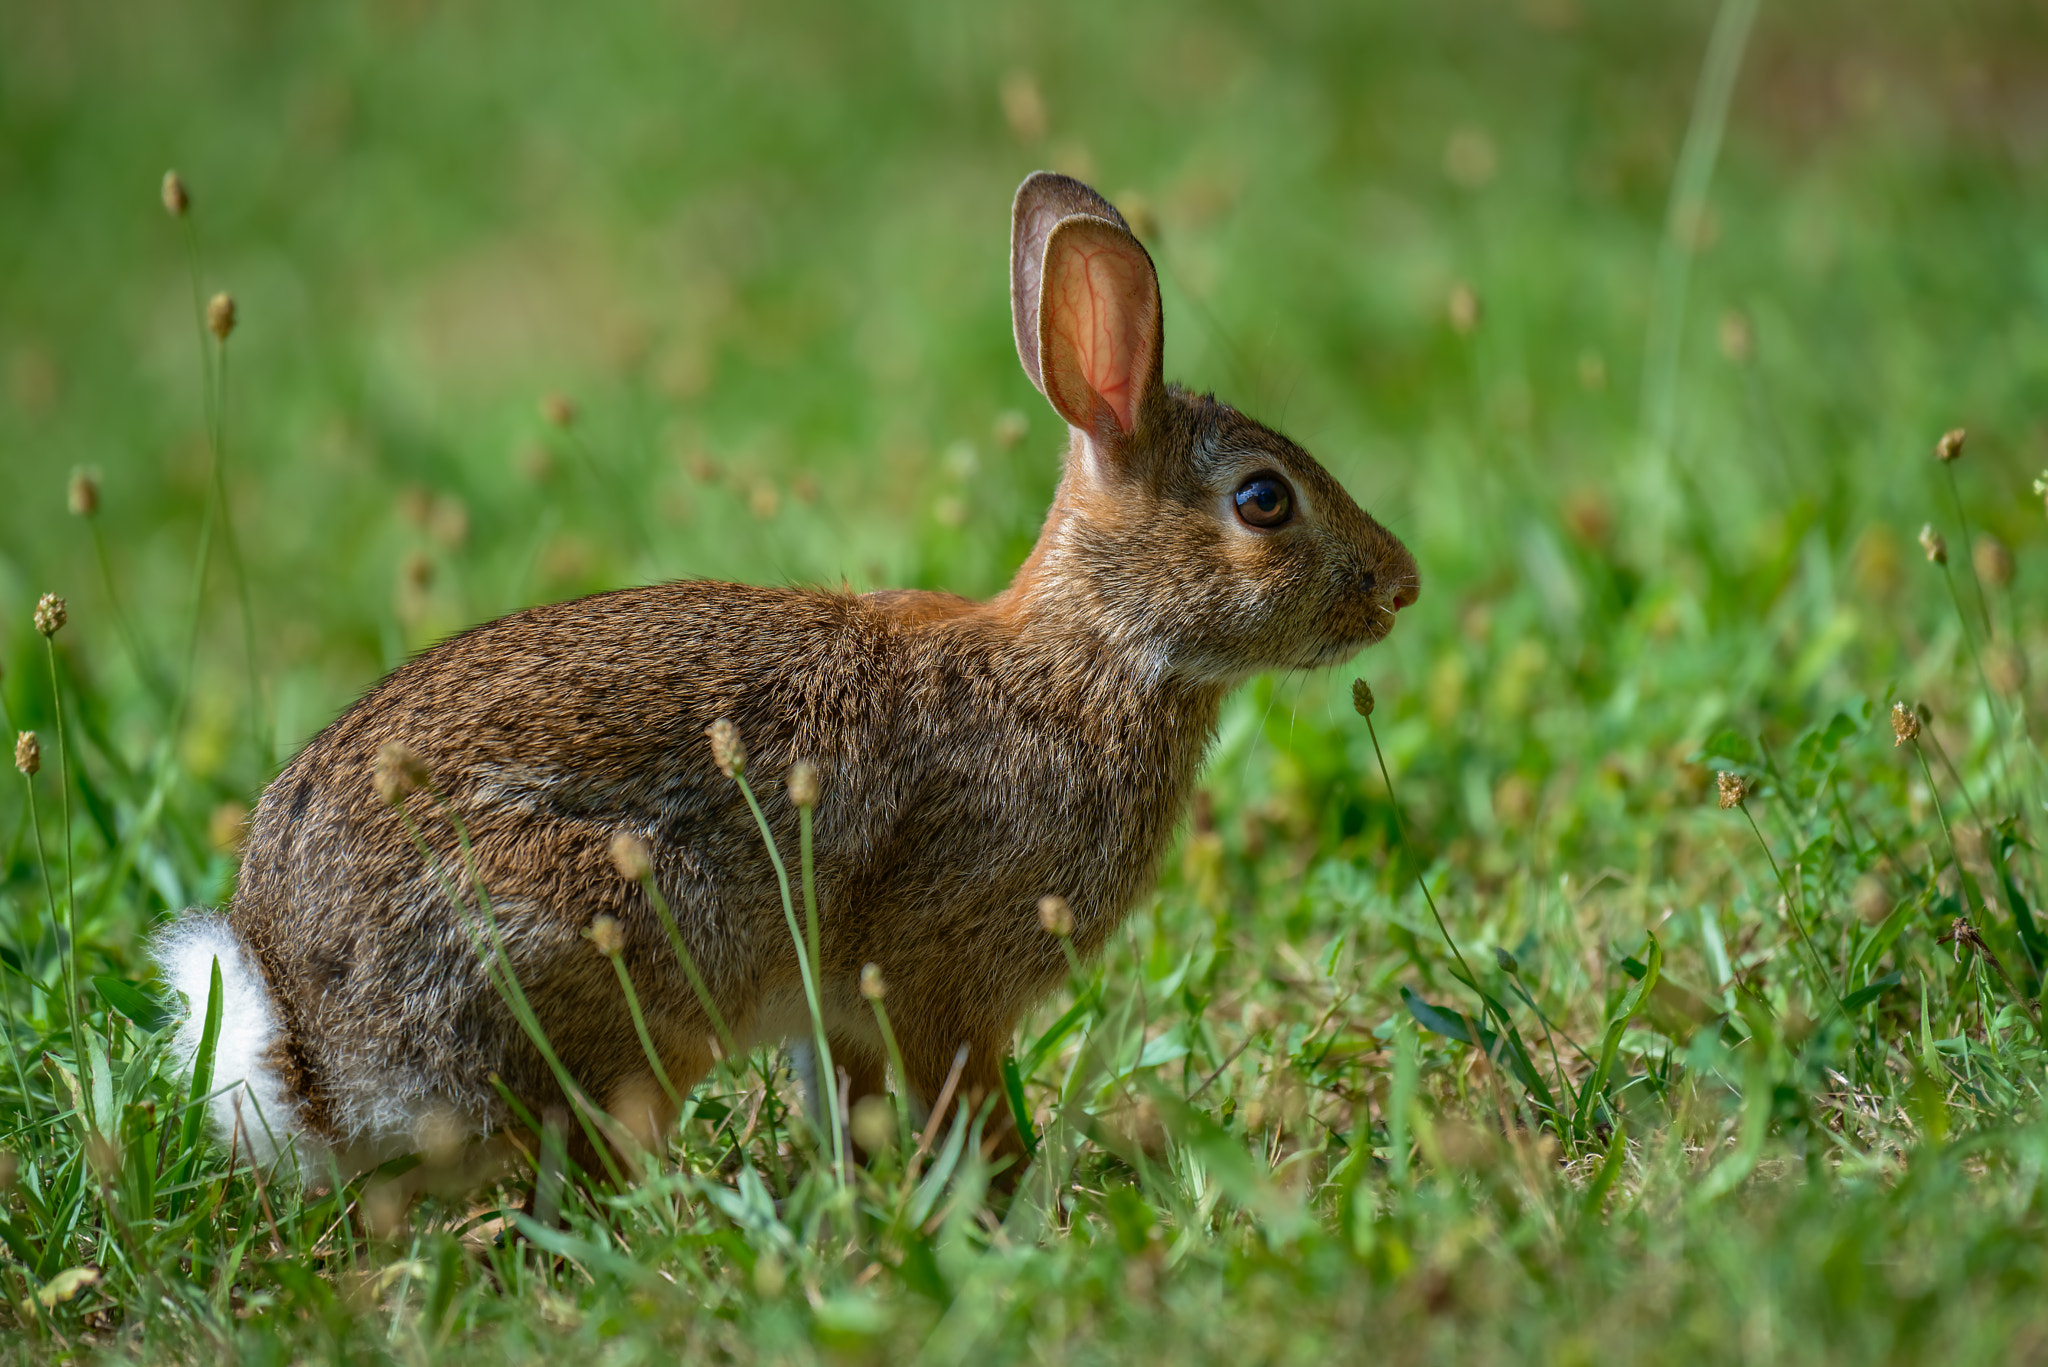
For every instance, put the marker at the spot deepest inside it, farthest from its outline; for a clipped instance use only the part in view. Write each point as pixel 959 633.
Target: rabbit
pixel 971 758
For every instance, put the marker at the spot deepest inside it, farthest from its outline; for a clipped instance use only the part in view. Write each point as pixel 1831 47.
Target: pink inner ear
pixel 1100 312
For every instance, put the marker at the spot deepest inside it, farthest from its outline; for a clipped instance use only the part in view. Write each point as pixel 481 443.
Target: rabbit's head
pixel 1206 545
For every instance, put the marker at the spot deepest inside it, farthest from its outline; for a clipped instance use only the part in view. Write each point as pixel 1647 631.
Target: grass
pixel 1481 1033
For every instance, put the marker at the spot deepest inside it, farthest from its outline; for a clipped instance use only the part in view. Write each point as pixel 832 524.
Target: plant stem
pixel 1941 753
pixel 1401 834
pixel 1966 885
pixel 1792 914
pixel 1963 520
pixel 145 669
pixel 65 966
pixel 206 403
pixel 828 1078
pixel 1689 190
pixel 1977 664
pixel 895 1057
pixel 260 735
pixel 64 792
pixel 184 696
pixel 689 963
pixel 640 1029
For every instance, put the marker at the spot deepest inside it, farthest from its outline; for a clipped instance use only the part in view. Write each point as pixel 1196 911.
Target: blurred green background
pixel 762 250
pixel 1651 397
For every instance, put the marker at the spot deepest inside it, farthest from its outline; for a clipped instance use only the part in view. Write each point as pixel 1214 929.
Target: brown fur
pixel 973 758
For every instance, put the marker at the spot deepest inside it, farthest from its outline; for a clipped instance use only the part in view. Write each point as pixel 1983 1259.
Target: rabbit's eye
pixel 1264 501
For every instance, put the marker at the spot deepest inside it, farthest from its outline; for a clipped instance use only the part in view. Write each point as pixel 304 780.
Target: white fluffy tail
pixel 245 1078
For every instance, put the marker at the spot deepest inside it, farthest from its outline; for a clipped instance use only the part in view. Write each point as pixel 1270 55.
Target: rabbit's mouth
pixel 1361 622
pixel 1366 616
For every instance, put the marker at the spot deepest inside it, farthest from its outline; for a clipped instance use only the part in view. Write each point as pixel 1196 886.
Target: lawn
pixel 1656 974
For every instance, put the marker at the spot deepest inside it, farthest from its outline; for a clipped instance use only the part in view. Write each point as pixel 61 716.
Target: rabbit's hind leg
pixel 865 1107
pixel 634 1119
pixel 643 1106
pixel 862 1072
pixel 974 1068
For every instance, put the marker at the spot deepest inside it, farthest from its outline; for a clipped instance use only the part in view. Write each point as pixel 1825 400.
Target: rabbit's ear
pixel 1042 201
pixel 1099 327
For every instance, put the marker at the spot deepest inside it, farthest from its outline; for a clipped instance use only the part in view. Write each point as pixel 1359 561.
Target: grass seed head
pixel 726 751
pixel 630 857
pixel 874 1124
pixel 398 772
pixel 770 1275
pixel 1993 561
pixel 1055 915
pixel 1734 789
pixel 177 201
pixel 1023 107
pixel 1950 446
pixel 1738 339
pixel 1964 936
pixel 220 316
pixel 2005 668
pixel 417 570
pixel 803 783
pixel 1361 697
pixel 51 614
pixel 383 1208
pixel 1905 724
pixel 558 410
pixel 1010 427
pixel 871 985
pixel 84 494
pixel 1463 309
pixel 605 938
pixel 28 753
pixel 1934 543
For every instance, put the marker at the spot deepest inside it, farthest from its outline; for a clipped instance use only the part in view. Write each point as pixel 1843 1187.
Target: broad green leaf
pixel 1438 1020
pixel 132 1001
pixel 1165 1048
pixel 1450 1024
pixel 1878 940
pixel 1727 750
pixel 1863 996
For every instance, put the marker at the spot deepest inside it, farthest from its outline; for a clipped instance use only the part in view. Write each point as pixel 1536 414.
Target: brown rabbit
pixel 972 759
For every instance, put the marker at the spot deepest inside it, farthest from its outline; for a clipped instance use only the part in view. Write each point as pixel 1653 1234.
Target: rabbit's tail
pixel 247 1091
